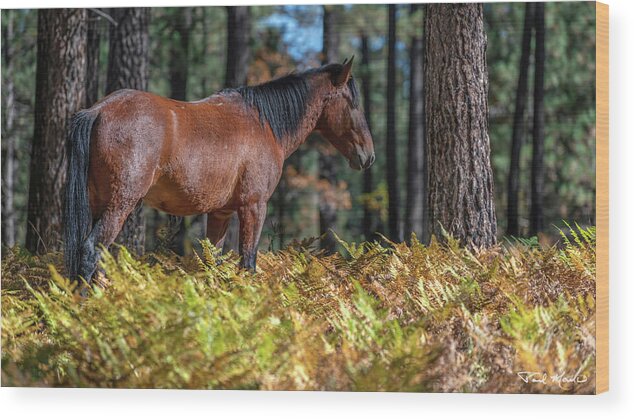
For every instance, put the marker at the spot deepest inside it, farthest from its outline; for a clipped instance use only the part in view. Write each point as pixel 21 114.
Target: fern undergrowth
pixel 384 317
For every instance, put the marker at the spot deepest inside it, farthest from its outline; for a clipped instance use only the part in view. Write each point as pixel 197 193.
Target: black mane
pixel 282 102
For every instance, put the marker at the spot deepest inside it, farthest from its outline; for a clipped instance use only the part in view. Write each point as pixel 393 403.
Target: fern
pixel 383 316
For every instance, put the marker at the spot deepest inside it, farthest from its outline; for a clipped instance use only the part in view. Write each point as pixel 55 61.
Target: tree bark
pixel 205 49
pixel 59 93
pixel 238 53
pixel 456 84
pixel 128 58
pixel 537 168
pixel 391 152
pixel 327 158
pixel 179 53
pixel 128 65
pixel 92 58
pixel 238 36
pixel 369 226
pixel 415 214
pixel 9 161
pixel 512 206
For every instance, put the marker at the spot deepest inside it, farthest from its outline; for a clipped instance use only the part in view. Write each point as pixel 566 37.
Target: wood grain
pixel 602 185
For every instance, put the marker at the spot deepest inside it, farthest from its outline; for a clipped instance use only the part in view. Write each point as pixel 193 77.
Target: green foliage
pixel 384 317
pixel 569 101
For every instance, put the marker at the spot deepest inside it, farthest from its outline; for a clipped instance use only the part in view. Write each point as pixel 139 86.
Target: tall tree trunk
pixel 128 65
pixel 179 53
pixel 204 81
pixel 415 214
pixel 327 156
pixel 537 172
pixel 9 162
pixel 59 93
pixel 456 85
pixel 238 36
pixel 369 227
pixel 179 64
pixel 330 34
pixel 92 58
pixel 512 206
pixel 391 152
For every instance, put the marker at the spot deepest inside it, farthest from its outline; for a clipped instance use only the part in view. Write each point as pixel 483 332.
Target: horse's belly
pixel 173 199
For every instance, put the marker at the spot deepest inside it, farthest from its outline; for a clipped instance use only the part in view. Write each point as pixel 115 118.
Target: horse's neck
pixel 314 109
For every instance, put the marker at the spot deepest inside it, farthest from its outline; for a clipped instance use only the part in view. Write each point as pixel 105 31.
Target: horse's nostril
pixel 369 161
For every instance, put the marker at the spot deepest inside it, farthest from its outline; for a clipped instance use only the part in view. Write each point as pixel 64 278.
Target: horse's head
pixel 342 121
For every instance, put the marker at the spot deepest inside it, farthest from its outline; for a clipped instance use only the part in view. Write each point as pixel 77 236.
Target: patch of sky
pixel 301 29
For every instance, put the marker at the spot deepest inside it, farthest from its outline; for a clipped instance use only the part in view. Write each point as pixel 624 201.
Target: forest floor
pixel 516 318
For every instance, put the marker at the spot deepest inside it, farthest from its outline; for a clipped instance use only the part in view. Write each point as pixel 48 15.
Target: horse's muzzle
pixel 362 160
pixel 369 161
pixel 365 161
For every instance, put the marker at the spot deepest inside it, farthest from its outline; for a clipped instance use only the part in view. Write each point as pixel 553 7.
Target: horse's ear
pixel 343 77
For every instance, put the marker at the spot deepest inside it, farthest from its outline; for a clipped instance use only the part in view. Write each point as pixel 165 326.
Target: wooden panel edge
pixel 602 197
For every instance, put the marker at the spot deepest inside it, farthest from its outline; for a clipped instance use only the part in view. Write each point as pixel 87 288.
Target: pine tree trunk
pixel 179 64
pixel 179 53
pixel 391 152
pixel 369 227
pixel 92 58
pixel 456 85
pixel 9 161
pixel 512 207
pixel 128 65
pixel 415 214
pixel 204 81
pixel 59 93
pixel 328 156
pixel 537 167
pixel 238 35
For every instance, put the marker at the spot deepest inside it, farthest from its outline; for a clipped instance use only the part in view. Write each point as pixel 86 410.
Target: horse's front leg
pixel 251 221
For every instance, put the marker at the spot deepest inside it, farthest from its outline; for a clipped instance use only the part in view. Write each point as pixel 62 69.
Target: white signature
pixel 562 380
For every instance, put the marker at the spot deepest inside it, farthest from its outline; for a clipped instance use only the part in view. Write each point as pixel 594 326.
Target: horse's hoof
pixel 83 291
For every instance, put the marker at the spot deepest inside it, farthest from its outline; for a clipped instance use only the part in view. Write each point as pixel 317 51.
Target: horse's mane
pixel 282 102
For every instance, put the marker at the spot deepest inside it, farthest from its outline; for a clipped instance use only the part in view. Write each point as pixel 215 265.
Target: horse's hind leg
pixel 90 253
pixel 104 232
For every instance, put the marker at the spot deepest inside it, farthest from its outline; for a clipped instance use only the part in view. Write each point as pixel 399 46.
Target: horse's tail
pixel 77 217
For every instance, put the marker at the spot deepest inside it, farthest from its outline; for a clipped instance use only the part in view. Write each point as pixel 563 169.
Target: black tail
pixel 77 217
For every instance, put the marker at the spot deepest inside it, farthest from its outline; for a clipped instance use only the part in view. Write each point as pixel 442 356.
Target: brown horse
pixel 217 156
